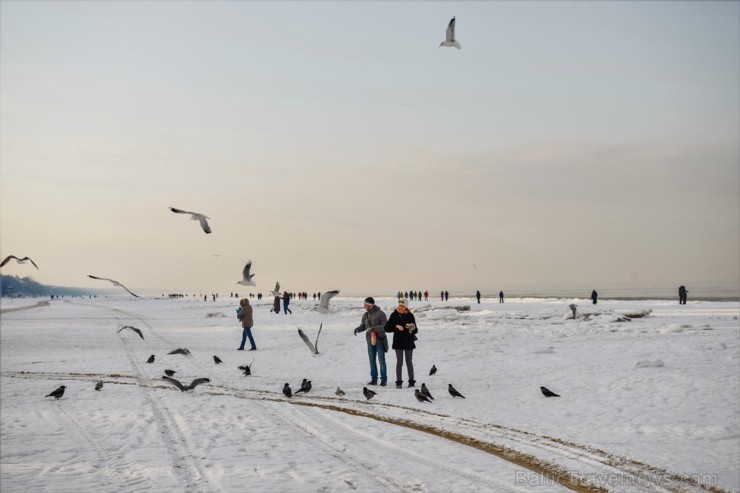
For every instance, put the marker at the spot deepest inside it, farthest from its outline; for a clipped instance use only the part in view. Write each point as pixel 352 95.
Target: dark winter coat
pixel 402 339
pixel 374 321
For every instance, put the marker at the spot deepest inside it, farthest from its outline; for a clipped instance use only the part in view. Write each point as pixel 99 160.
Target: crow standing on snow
pixel 421 397
pixel 58 393
pixel 286 391
pixel 99 385
pixel 217 360
pixel 151 359
pixel 433 370
pixel 304 387
pixel 548 393
pixel 453 392
pixel 369 394
pixel 169 373
pixel 425 391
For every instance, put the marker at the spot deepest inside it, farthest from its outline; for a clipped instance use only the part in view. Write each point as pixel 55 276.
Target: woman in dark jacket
pixel 403 326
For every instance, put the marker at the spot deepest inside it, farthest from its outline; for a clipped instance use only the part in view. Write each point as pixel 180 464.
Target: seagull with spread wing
pixel 247 277
pixel 324 301
pixel 450 36
pixel 19 260
pixel 115 283
pixel 138 331
pixel 185 388
pixel 276 292
pixel 312 347
pixel 195 216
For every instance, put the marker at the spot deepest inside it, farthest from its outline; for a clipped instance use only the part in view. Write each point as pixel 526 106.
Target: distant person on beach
pixel 441 296
pixel 426 295
pixel 373 324
pixel 477 296
pixel 447 295
pixel 500 296
pixel 682 292
pixel 276 304
pixel 594 296
pixel 286 302
pixel 403 326
pixel 244 313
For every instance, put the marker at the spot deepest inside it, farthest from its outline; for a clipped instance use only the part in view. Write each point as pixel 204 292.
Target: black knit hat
pixel 369 300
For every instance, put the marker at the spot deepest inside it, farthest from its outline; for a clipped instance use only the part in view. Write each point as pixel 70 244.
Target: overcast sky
pixel 337 146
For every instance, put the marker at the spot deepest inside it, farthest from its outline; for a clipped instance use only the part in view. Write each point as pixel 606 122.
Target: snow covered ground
pixel 650 398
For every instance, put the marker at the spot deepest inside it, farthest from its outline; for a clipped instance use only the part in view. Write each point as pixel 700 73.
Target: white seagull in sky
pixel 246 276
pixel 450 36
pixel 115 283
pixel 324 301
pixel 277 290
pixel 195 216
pixel 19 260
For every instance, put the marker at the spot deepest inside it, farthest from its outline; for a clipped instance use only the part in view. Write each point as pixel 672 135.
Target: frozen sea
pixel 650 398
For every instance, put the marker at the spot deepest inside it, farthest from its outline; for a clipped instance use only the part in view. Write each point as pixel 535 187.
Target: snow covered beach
pixel 650 398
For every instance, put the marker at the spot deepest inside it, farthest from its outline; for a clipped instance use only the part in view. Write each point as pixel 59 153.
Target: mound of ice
pixel 646 363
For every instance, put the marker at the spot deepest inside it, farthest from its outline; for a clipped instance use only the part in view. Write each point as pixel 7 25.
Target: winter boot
pixel 374 381
pixel 382 382
pixel 412 383
pixel 399 384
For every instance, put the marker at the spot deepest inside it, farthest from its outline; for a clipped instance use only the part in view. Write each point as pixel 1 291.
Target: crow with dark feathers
pixel 99 385
pixel 169 373
pixel 548 393
pixel 151 359
pixel 425 391
pixel 421 397
pixel 453 392
pixel 217 360
pixel 58 393
pixel 369 394
pixel 433 370
pixel 286 391
pixel 305 387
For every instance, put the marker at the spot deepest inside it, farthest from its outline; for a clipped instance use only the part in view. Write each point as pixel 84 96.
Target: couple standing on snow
pixel 403 326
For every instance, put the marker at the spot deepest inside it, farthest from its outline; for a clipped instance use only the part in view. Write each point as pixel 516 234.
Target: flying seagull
pixel 115 283
pixel 99 385
pixel 450 36
pixel 19 260
pixel 276 292
pixel 183 351
pixel 195 216
pixel 548 393
pixel 246 276
pixel 138 331
pixel 185 388
pixel 58 393
pixel 324 301
pixel 453 392
pixel 312 347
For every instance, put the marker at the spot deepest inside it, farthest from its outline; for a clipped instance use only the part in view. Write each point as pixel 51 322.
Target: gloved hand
pixel 354 332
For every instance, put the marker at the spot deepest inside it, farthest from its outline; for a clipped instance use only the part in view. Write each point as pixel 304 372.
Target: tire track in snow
pixel 179 447
pixel 511 444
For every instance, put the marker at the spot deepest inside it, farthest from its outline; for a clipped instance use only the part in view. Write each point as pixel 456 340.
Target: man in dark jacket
pixel 373 324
